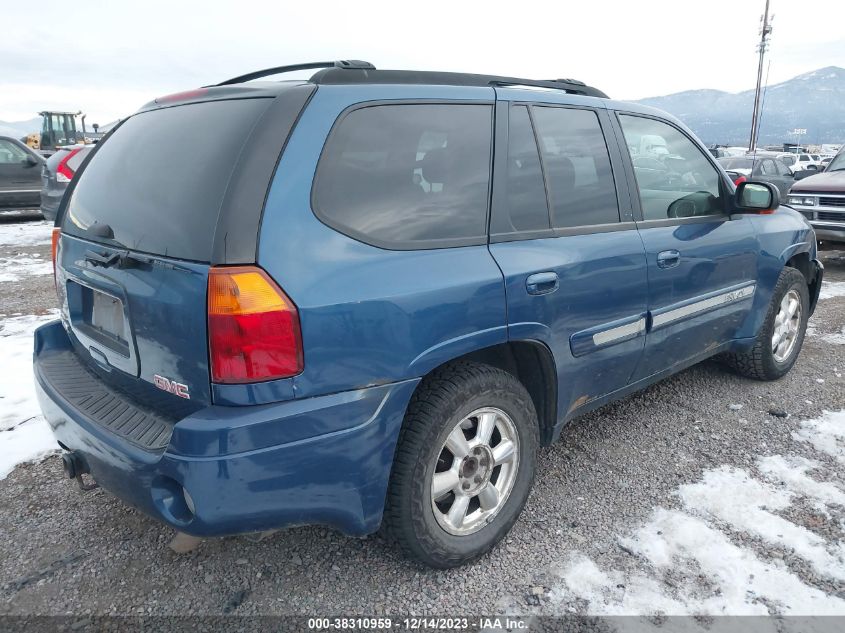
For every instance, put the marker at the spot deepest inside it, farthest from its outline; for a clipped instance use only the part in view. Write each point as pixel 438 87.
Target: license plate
pixel 107 314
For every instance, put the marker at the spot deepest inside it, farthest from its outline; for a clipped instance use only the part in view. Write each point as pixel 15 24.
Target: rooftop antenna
pixel 762 47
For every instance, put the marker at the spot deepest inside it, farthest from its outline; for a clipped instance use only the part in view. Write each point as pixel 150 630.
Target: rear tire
pixel 782 334
pixel 464 464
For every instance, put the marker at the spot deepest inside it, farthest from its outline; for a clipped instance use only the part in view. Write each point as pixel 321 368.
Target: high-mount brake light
pixel 253 327
pixel 63 172
pixel 182 96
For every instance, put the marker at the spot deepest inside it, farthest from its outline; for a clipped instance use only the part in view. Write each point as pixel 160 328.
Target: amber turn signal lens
pixel 253 327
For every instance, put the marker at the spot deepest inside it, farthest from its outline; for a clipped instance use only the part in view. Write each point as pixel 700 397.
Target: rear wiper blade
pixel 130 260
pixel 101 259
pixel 125 259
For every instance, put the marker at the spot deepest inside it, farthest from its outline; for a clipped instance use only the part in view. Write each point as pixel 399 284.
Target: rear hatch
pixel 137 239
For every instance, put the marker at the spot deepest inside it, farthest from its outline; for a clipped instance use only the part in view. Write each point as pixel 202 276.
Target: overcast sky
pixel 108 58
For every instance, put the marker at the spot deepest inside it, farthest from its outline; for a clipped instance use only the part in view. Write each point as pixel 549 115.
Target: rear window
pixel 736 163
pixel 408 175
pixel 159 180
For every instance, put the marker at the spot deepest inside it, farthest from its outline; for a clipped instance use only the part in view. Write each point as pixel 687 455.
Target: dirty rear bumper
pixel 226 470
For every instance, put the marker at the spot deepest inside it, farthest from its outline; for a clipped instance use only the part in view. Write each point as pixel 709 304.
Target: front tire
pixel 782 334
pixel 464 464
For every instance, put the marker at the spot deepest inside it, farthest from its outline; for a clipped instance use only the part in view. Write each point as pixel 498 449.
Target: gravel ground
pixel 68 552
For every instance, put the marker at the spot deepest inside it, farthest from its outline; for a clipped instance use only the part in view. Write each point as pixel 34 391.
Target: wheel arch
pixel 531 362
pixel 803 263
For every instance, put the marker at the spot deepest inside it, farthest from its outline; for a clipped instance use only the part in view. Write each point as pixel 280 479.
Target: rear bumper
pixel 50 201
pixel 322 460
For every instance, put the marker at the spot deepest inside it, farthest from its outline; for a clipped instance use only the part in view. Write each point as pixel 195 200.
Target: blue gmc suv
pixel 369 297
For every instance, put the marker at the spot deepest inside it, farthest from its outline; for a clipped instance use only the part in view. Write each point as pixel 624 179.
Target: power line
pixel 762 47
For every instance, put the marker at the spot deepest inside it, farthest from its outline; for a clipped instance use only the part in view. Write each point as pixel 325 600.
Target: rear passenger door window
pixel 674 177
pixel 525 191
pixel 408 176
pixel 577 167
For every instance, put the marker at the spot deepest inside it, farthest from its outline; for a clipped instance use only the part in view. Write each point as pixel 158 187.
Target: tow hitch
pixel 74 466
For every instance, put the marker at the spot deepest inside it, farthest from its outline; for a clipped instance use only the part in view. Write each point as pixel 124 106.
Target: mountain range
pixel 18 129
pixel 814 101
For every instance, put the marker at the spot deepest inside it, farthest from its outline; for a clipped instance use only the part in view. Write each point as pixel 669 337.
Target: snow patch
pixel 791 472
pixel 691 561
pixel 831 289
pixel 17 267
pixel 749 508
pixel 837 338
pixel 826 434
pixel 25 234
pixel 24 434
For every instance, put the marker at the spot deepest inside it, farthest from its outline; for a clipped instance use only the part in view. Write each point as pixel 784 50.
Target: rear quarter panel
pixel 370 315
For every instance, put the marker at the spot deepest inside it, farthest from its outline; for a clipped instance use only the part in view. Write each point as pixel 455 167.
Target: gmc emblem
pixel 171 386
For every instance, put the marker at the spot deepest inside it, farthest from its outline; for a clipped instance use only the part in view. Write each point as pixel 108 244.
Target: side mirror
pixel 756 197
pixel 30 160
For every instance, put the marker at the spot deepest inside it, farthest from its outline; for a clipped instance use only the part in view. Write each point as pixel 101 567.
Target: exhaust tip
pixel 74 465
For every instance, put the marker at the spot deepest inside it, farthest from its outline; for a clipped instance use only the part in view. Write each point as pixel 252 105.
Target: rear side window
pixel 408 176
pixel 159 180
pixel 577 167
pixel 733 163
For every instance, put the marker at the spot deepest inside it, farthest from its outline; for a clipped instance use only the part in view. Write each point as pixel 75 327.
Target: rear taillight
pixel 63 172
pixel 253 327
pixel 54 248
pixel 739 180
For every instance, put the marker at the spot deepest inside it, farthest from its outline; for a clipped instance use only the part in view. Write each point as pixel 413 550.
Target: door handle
pixel 542 283
pixel 668 259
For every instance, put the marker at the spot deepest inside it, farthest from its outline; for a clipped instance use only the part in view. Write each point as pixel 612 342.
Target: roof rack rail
pixel 572 86
pixel 332 75
pixel 350 64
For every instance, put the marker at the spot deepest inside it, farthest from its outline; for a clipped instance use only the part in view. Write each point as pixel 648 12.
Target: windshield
pixel 838 163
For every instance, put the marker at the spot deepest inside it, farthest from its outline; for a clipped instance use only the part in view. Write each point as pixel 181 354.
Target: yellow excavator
pixel 58 129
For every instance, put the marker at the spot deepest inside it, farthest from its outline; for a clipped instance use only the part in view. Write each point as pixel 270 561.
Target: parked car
pixel 807 161
pixel 20 175
pixel 763 168
pixel 787 159
pixel 821 198
pixel 364 299
pixel 56 174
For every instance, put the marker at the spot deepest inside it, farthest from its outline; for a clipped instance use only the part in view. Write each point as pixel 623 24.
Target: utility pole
pixel 765 31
